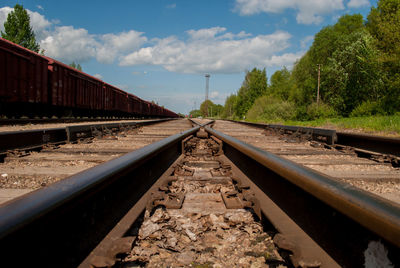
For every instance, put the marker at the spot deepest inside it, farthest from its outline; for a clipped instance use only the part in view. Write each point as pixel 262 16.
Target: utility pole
pixel 207 81
pixel 319 78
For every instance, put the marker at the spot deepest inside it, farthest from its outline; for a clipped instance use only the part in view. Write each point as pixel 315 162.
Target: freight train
pixel 34 85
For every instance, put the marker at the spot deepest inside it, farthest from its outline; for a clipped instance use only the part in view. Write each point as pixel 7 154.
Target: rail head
pixel 374 213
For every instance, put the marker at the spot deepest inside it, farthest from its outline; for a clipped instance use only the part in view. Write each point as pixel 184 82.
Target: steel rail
pixel 379 144
pixel 20 121
pixel 339 217
pixel 59 225
pixel 202 125
pixel 11 140
pixel 316 133
pixel 372 143
pixel 31 139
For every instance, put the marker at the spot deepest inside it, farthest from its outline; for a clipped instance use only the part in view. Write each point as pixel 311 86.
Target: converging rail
pixel 36 139
pixel 21 121
pixel 366 143
pixel 180 200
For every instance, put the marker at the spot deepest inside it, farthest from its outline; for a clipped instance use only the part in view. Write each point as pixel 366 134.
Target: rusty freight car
pixel 74 92
pixel 23 81
pixel 34 85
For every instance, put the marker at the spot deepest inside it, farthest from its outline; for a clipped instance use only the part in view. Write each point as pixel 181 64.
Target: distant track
pixel 35 138
pixel 5 122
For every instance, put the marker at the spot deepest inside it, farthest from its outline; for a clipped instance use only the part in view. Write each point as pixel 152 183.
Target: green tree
pixel 217 110
pixel 353 74
pixel 254 86
pixel 326 40
pixel 383 23
pixel 17 29
pixel 209 109
pixel 304 78
pixel 195 113
pixel 205 108
pixel 281 84
pixel 229 111
pixel 79 67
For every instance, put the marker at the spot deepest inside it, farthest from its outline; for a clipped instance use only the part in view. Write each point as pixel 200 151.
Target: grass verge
pixel 379 125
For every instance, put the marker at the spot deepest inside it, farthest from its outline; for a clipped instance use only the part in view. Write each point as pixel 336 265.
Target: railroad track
pixel 33 159
pixel 200 197
pixel 23 121
pixel 369 162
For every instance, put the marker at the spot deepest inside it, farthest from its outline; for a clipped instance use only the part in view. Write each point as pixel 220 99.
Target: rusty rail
pixel 328 135
pixel 22 121
pixel 379 144
pixel 35 139
pixel 322 221
pixel 342 219
pixel 59 225
pixel 371 143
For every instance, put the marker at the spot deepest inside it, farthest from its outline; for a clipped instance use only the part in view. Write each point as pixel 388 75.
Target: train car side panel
pixel 23 74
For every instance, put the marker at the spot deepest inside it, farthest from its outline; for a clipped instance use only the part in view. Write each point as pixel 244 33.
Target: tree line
pixel 359 62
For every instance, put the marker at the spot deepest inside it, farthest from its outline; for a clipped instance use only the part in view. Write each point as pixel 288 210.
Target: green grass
pixel 384 125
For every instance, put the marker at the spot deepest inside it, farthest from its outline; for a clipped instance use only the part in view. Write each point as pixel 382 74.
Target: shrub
pixel 321 110
pixel 367 108
pixel 301 113
pixel 268 108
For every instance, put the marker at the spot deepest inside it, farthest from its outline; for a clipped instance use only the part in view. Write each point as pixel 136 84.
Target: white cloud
pixel 38 21
pixel 171 6
pixel 3 16
pixel 211 33
pixel 358 3
pixel 214 94
pixel 308 11
pixel 40 7
pixel 213 50
pixel 40 25
pixel 208 33
pixel 286 59
pixel 205 50
pixel 69 44
pixel 139 73
pixel 115 44
pixel 99 76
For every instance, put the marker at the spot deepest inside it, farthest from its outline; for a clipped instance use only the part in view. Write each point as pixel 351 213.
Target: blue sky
pixel 160 50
